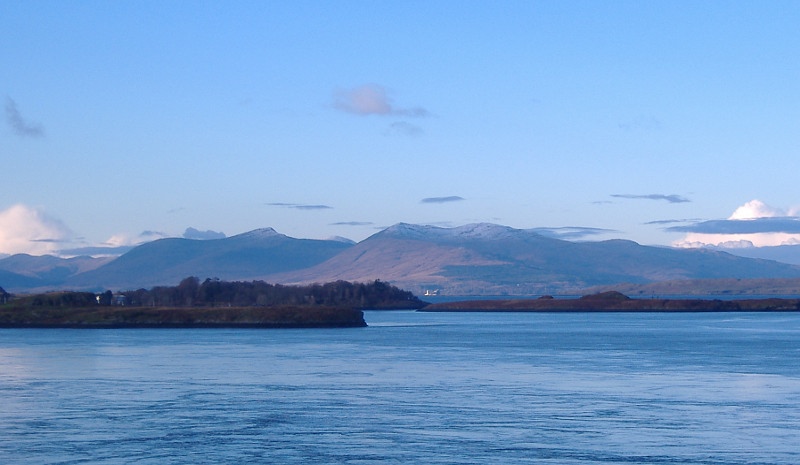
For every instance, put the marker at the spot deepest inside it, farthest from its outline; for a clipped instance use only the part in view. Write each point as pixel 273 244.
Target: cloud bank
pixel 788 224
pixel 192 233
pixel 24 229
pixel 754 224
pixel 372 99
pixel 671 198
pixel 755 209
pixel 18 124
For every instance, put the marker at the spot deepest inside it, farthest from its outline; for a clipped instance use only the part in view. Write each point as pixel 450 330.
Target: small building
pixel 107 298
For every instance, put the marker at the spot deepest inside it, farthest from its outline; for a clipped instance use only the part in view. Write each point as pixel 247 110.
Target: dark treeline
pixel 191 292
pixel 213 292
pixel 59 299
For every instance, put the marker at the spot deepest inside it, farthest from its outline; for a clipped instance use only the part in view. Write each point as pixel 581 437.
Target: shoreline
pixel 178 317
pixel 617 303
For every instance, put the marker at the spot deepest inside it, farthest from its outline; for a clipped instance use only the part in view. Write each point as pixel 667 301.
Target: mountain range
pixel 475 259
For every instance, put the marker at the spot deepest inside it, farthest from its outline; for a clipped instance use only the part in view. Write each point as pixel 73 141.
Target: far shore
pixel 616 302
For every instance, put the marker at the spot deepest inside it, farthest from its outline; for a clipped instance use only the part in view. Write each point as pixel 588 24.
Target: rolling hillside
pixel 488 259
pixel 476 259
pixel 243 257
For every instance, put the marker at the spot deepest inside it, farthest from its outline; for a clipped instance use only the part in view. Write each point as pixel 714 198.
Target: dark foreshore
pixel 166 317
pixel 617 302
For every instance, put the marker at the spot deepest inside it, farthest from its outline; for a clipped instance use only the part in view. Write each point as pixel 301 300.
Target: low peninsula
pixel 613 301
pixel 208 304
pixel 175 317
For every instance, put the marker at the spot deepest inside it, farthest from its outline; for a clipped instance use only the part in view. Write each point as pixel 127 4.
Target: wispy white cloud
pixel 683 221
pixel 373 99
pixel 352 223
pixel 18 124
pixel 312 207
pixel 124 239
pixel 671 198
pixel 25 229
pixel 448 199
pixel 404 128
pixel 300 206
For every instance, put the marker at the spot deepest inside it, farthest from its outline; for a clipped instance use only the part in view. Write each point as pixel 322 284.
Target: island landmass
pixel 208 304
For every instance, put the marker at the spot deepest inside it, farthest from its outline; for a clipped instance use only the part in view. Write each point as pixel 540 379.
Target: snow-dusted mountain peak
pixel 261 233
pixel 487 231
pixel 483 231
pixel 341 239
pixel 410 231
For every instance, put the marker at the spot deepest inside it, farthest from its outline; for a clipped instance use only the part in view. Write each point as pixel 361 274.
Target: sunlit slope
pixel 492 259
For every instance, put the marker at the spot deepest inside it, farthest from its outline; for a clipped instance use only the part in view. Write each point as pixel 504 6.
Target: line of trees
pixel 61 299
pixel 191 292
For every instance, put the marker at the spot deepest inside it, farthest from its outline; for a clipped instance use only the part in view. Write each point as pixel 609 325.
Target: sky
pixel 663 122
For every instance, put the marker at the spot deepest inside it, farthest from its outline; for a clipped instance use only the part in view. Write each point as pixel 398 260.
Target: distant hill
pixel 246 256
pixel 488 259
pixel 476 259
pixel 782 253
pixel 29 272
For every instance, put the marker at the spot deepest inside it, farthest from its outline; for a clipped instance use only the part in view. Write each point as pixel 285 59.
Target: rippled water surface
pixel 411 388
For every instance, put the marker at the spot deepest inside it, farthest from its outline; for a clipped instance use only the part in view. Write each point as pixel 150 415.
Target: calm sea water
pixel 412 388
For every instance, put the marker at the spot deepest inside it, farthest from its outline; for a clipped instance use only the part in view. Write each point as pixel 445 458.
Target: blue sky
pixel 651 121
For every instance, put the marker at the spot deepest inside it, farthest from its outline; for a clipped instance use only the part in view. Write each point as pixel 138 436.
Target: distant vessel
pixel 431 292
